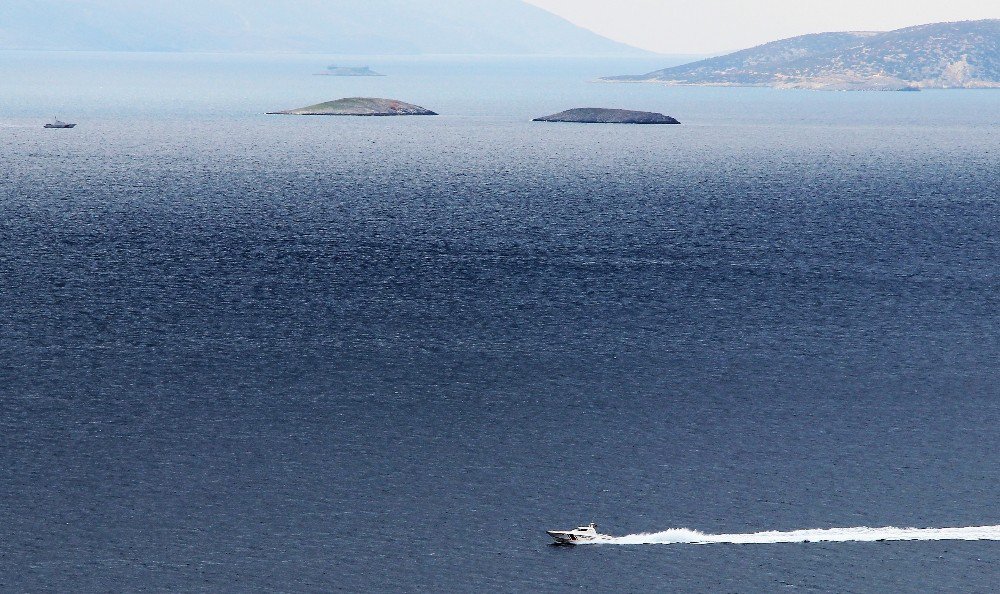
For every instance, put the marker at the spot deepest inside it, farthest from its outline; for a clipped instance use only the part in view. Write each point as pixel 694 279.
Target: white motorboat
pixel 582 535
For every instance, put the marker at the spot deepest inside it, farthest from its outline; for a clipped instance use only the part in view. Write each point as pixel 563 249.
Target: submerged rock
pixel 594 115
pixel 358 106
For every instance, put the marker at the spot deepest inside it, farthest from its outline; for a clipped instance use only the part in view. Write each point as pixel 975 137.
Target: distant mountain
pixel 328 26
pixel 940 55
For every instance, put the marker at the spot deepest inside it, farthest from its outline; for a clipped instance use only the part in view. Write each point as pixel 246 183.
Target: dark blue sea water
pixel 251 353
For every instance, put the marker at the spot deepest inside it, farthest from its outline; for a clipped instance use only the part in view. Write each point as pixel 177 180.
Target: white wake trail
pixel 863 534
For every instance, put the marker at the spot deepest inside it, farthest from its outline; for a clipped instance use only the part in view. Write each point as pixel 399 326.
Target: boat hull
pixel 570 539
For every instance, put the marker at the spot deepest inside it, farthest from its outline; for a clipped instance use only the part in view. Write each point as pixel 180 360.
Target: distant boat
pixel 57 124
pixel 583 534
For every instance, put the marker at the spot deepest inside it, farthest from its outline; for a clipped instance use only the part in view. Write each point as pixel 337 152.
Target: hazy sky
pixel 707 26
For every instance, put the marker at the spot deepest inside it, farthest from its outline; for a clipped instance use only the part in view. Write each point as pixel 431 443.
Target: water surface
pixel 242 352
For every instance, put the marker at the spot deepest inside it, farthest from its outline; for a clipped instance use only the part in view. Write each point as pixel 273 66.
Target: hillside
pixel 940 55
pixel 328 26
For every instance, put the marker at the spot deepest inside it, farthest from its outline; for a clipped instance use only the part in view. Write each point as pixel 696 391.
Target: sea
pixel 252 353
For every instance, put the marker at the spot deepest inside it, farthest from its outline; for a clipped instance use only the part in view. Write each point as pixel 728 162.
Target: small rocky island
pixel 594 115
pixel 359 106
pixel 349 71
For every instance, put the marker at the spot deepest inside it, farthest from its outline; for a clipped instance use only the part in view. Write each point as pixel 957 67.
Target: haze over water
pixel 245 352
